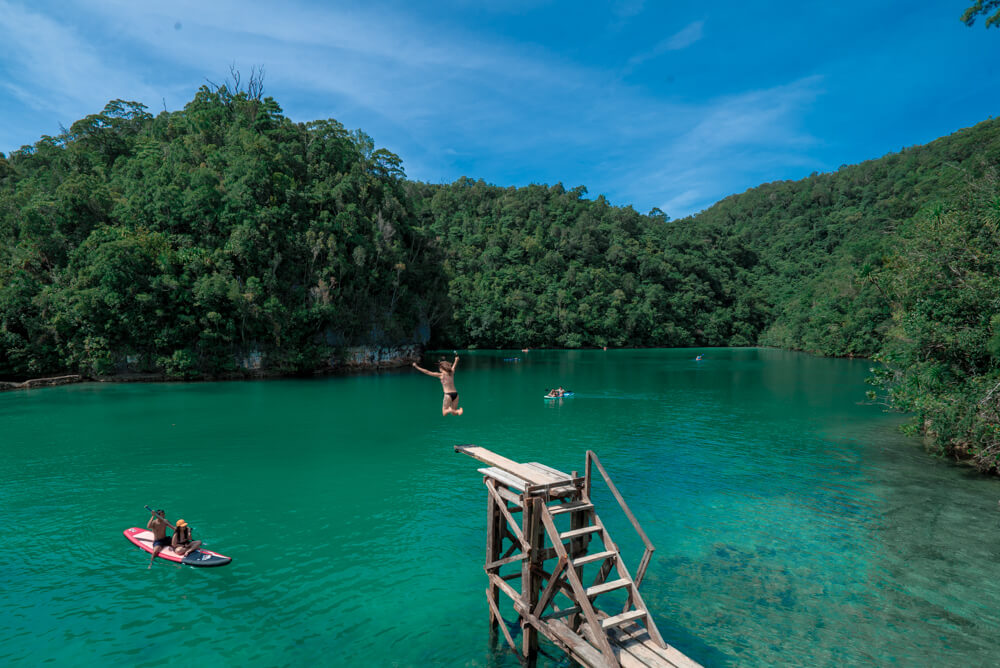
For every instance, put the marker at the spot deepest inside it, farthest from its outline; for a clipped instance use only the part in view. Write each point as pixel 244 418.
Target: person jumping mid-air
pixel 446 375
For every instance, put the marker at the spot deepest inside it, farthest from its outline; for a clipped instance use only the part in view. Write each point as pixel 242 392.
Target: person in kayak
pixel 182 542
pixel 158 525
pixel 446 375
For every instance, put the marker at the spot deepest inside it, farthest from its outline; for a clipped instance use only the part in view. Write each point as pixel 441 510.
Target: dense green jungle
pixel 188 242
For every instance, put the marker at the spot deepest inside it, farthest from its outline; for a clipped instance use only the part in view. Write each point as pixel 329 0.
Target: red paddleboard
pixel 143 539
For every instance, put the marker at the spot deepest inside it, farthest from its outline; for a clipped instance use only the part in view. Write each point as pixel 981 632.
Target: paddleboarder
pixel 181 541
pixel 158 525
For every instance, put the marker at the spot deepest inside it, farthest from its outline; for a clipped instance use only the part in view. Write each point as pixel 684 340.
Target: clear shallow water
pixel 793 525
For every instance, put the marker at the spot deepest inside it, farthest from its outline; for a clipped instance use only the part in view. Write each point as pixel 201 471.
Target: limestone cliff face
pixel 377 357
pixel 253 365
pixel 350 358
pixel 41 382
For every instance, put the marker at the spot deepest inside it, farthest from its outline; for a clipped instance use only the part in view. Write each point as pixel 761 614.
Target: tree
pixel 940 357
pixel 982 8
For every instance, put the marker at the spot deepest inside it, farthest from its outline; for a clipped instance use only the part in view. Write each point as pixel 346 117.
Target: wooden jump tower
pixel 553 599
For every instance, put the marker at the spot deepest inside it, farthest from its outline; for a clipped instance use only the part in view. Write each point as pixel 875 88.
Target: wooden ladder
pixel 582 622
pixel 567 575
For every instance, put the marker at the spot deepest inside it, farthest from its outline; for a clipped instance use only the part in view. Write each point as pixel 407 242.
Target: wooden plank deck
pixel 527 473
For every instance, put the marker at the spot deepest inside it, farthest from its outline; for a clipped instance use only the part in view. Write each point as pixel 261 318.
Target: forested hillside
pixel 789 264
pixel 201 241
pixel 544 267
pixel 194 241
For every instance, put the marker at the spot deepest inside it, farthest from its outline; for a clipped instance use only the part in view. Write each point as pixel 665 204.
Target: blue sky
pixel 653 104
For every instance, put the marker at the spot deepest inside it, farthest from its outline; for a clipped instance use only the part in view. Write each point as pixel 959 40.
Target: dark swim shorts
pixel 453 395
pixel 162 542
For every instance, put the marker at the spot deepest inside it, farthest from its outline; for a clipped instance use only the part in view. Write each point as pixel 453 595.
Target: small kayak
pixel 143 539
pixel 564 395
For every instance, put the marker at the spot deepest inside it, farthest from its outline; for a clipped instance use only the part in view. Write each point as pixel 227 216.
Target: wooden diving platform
pixel 542 559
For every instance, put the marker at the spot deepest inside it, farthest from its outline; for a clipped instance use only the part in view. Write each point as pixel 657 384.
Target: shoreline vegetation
pixel 226 240
pixel 360 359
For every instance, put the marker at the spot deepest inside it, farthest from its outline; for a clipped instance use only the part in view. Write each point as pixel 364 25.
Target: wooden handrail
pixel 641 571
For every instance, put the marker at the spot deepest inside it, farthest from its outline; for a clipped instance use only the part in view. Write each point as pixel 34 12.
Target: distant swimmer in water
pixel 698 358
pixel 446 375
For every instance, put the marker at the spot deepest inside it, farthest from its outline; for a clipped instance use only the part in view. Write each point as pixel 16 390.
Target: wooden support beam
pixel 502 507
pixel 559 614
pixel 507 533
pixel 493 542
pixel 506 479
pixel 578 648
pixel 508 560
pixel 510 550
pixel 506 588
pixel 495 612
pixel 565 487
pixel 551 588
pixel 530 580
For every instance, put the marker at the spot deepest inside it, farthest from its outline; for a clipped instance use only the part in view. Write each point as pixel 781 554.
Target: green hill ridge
pixel 194 241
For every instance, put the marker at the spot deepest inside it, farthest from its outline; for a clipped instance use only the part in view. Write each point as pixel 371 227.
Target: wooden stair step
pixel 623 618
pixel 597 556
pixel 607 586
pixel 575 533
pixel 570 507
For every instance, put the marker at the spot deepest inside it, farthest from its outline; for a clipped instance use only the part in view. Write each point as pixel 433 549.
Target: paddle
pixel 164 519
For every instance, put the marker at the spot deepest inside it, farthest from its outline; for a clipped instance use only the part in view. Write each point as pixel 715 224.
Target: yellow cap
pixel 181 523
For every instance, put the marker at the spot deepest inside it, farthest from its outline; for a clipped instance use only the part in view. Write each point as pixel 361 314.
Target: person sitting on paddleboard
pixel 158 525
pixel 182 542
pixel 447 378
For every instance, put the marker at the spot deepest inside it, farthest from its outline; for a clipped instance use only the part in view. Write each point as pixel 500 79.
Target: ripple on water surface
pixel 793 525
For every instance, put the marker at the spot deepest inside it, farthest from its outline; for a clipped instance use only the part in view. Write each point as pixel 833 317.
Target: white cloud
pixel 449 100
pixel 685 37
pixel 734 142
pixel 679 40
pixel 54 68
pixel 628 8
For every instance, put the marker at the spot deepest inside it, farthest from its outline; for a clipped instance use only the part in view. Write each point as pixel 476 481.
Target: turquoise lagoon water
pixel 793 524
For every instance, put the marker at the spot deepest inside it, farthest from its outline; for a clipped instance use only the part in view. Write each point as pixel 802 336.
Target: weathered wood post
pixel 530 580
pixel 494 541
